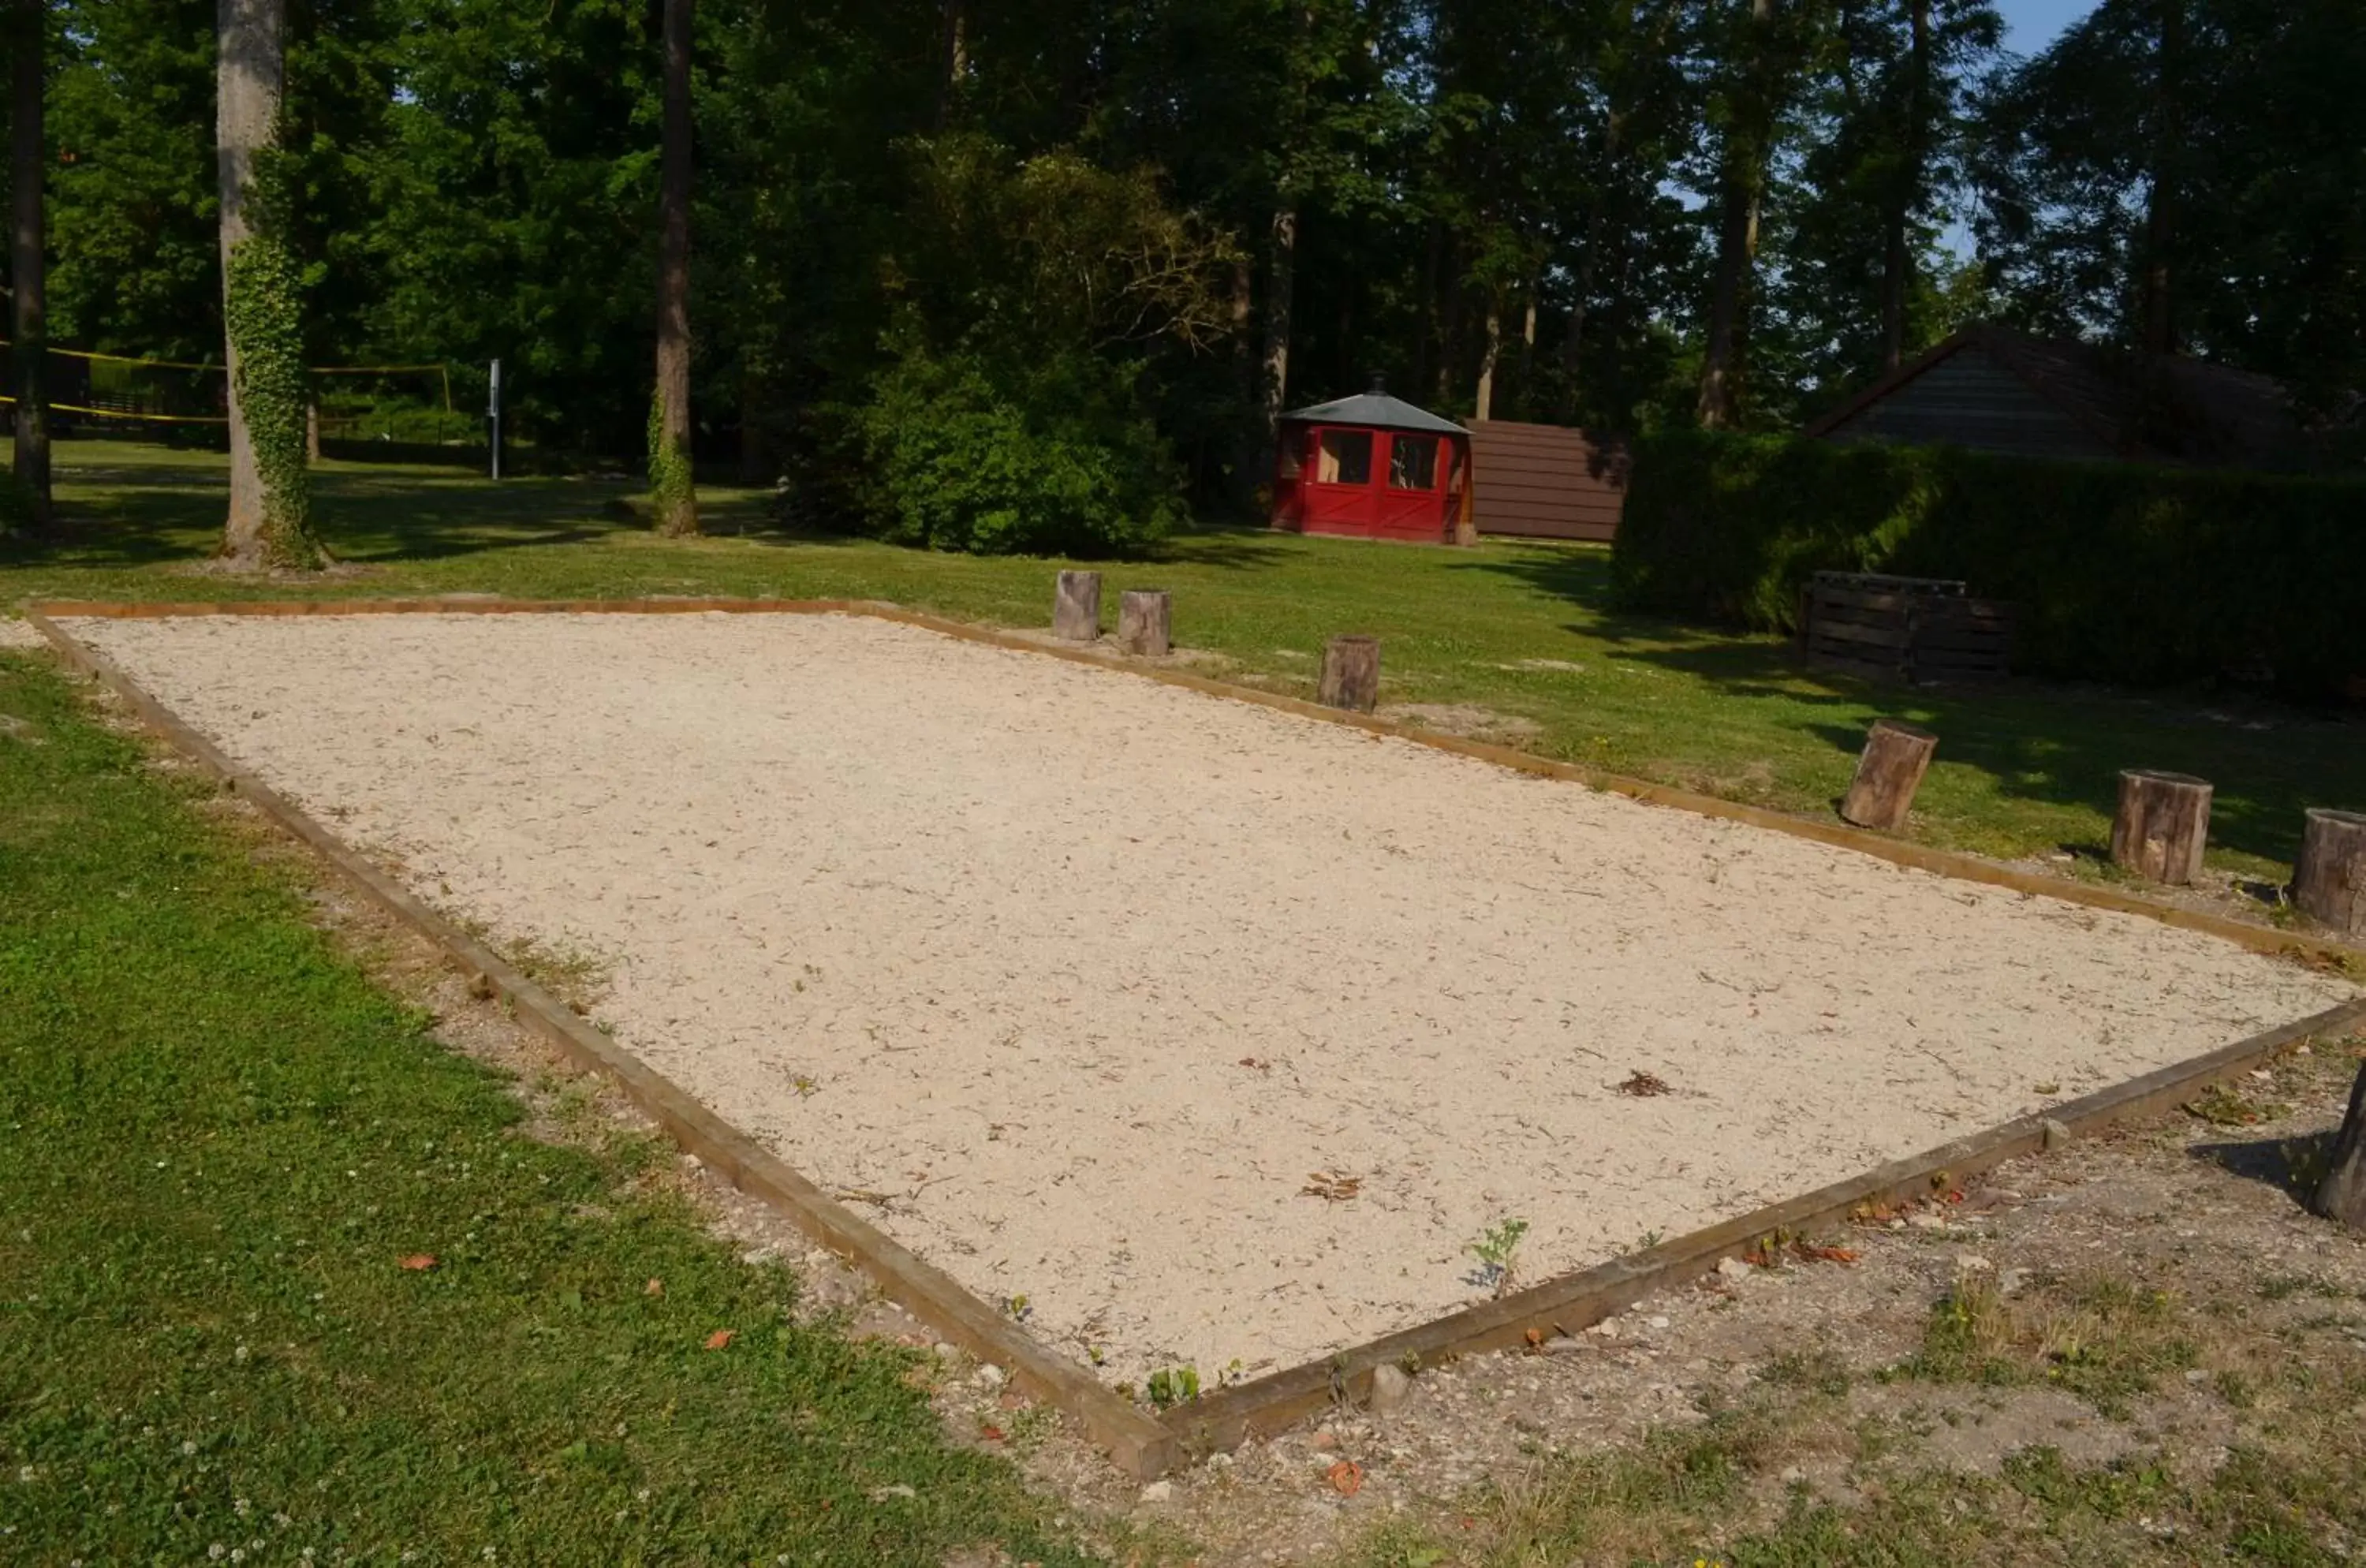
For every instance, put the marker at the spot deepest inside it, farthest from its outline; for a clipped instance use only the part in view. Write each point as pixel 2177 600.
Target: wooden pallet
pixel 1904 628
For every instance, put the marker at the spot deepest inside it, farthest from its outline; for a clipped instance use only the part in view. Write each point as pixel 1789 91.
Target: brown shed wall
pixel 1544 481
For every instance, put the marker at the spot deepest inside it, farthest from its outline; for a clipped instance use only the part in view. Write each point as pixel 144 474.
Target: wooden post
pixel 1077 606
pixel 1351 673
pixel 1143 617
pixel 2162 825
pixel 2329 883
pixel 1895 757
pixel 2342 1194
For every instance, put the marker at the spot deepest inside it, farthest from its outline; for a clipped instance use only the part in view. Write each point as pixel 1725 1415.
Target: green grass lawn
pixel 218 1141
pixel 1525 630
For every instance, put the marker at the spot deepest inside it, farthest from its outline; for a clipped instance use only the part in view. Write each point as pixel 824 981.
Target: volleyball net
pixel 407 403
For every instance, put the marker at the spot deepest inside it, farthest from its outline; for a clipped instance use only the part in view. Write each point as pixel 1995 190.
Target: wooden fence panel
pixel 1546 481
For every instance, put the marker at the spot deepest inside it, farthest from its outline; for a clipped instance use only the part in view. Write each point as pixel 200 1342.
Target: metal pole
pixel 493 414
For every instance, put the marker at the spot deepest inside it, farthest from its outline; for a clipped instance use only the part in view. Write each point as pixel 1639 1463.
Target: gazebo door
pixel 1410 500
pixel 1338 480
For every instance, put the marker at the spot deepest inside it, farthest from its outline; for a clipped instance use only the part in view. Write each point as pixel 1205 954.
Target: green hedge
pixel 2138 575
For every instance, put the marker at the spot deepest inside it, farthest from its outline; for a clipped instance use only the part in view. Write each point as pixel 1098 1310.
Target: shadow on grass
pixel 2056 744
pixel 129 513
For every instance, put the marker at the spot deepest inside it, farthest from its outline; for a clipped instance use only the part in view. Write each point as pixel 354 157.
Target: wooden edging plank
pixel 1573 1301
pixel 1138 1442
pixel 1144 1445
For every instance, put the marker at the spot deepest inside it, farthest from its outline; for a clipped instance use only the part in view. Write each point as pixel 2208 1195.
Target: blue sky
pixel 2030 25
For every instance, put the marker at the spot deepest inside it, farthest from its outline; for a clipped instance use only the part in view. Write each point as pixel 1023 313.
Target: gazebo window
pixel 1413 462
pixel 1345 457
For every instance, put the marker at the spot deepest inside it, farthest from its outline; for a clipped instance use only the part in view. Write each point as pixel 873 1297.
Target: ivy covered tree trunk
pixel 28 167
pixel 270 499
pixel 671 491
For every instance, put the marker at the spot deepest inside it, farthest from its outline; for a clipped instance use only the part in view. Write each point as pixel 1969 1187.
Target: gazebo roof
pixel 1378 409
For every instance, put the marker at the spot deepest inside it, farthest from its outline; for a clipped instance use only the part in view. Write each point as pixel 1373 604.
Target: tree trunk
pixel 268 524
pixel 675 497
pixel 1524 372
pixel 2162 826
pixel 2330 882
pixel 1351 673
pixel 1279 284
pixel 1742 187
pixel 1896 262
pixel 955 62
pixel 1144 616
pixel 2159 319
pixel 2341 1196
pixel 1737 242
pixel 28 169
pixel 1895 757
pixel 1449 337
pixel 1252 464
pixel 1077 606
pixel 1489 358
pixel 751 434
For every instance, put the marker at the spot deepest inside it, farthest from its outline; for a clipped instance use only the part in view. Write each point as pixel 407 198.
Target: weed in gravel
pixel 1496 1250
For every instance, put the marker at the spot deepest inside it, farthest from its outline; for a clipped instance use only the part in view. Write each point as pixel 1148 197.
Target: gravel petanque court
pixel 1074 982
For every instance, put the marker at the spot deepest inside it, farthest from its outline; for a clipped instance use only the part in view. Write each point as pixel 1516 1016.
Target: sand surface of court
pixel 1076 980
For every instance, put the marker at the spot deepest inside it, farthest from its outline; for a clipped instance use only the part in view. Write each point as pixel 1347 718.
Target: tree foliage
pixel 914 198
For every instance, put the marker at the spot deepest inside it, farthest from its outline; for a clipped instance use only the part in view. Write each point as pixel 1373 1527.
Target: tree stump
pixel 2342 1194
pixel 1351 673
pixel 1144 616
pixel 1077 606
pixel 2162 825
pixel 2329 883
pixel 1895 757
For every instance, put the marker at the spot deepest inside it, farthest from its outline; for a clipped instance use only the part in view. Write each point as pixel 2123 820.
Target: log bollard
pixel 1895 757
pixel 1351 673
pixel 1143 617
pixel 2330 882
pixel 1077 606
pixel 2162 825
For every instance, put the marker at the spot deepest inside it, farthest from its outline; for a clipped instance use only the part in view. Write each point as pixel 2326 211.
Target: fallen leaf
pixel 991 1434
pixel 1255 1063
pixel 419 1261
pixel 1346 1477
pixel 1829 1254
pixel 1642 1085
pixel 1536 1339
pixel 1330 1185
pixel 720 1338
pixel 656 1287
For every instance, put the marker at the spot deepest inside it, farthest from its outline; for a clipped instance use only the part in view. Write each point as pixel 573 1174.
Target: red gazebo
pixel 1374 466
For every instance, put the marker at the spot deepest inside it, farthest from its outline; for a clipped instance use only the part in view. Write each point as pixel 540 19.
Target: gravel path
pixel 1076 980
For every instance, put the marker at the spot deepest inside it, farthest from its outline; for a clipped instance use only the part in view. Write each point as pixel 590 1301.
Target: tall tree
pixel 1906 184
pixel 2188 176
pixel 29 172
pixel 1757 82
pixel 270 501
pixel 671 485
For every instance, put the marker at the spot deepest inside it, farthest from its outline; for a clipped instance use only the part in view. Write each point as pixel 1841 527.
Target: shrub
pixel 2125 573
pixel 971 453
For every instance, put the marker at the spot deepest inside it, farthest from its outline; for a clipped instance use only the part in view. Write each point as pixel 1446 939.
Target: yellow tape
pixel 124 413
pixel 314 369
